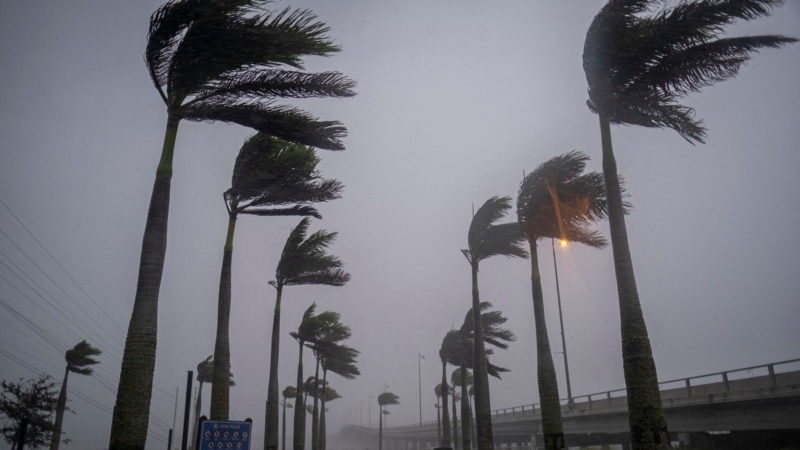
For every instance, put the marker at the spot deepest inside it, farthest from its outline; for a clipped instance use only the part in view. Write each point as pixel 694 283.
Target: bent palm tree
pixel 384 399
pixel 303 261
pixel 557 201
pixel 486 239
pixel 78 358
pixel 271 177
pixel 341 360
pixel 637 67
pixel 220 61
pixel 287 393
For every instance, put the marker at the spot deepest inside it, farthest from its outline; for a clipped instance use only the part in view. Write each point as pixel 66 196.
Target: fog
pixel 455 101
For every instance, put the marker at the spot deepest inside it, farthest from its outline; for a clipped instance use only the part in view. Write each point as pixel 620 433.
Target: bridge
pixel 749 407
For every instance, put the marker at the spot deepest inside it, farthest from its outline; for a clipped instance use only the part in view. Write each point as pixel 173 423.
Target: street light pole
pixel 561 319
pixel 420 358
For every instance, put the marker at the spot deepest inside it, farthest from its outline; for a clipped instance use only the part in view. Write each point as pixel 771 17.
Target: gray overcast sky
pixel 455 100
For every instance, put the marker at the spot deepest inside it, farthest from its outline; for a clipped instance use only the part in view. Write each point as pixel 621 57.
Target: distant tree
pixel 287 393
pixel 640 58
pixel 31 403
pixel 78 358
pixel 225 61
pixel 384 399
pixel 271 177
pixel 341 360
pixel 438 391
pixel 485 239
pixel 557 200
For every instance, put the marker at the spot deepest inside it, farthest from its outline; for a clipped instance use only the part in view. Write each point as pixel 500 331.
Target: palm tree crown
pixel 638 65
pixel 228 60
pixel 273 177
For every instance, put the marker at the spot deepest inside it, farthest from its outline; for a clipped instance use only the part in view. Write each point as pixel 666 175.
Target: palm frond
pixel 638 66
pixel 272 83
pixel 285 122
pixel 388 398
pixel 490 212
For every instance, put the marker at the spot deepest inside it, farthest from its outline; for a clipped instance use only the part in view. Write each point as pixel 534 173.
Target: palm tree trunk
pixel 466 433
pixel 315 411
pixel 322 438
pixel 197 407
pixel 645 413
pixel 552 427
pixel 380 426
pixel 273 394
pixel 455 421
pixel 283 433
pixel 438 421
pixel 135 387
pixel 445 415
pixel 299 407
pixel 55 440
pixel 480 374
pixel 220 380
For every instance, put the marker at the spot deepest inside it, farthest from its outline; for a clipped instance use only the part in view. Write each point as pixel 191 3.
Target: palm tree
pixel 486 239
pixel 450 346
pixel 330 337
pixel 303 261
pixel 557 201
pixel 639 63
pixel 438 391
pixel 287 393
pixel 328 394
pixel 312 326
pixel 271 177
pixel 220 61
pixel 385 399
pixel 341 360
pixel 78 358
pixel 205 374
pixel 455 378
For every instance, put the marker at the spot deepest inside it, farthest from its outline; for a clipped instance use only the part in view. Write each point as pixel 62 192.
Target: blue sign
pixel 223 434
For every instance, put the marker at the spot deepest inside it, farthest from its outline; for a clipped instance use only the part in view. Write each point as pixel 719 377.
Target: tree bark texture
pixel 645 413
pixel 134 391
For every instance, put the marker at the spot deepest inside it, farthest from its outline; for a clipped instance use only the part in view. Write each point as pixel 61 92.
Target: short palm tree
pixel 331 336
pixel 438 391
pixel 557 201
pixel 485 239
pixel 304 261
pixel 78 358
pixel 287 393
pixel 639 62
pixel 205 375
pixel 384 399
pixel 341 360
pixel 271 177
pixel 328 394
pixel 220 61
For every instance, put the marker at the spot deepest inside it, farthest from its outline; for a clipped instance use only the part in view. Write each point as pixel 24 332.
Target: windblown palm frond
pixel 305 261
pixel 557 200
pixel 486 238
pixel 639 65
pixel 80 357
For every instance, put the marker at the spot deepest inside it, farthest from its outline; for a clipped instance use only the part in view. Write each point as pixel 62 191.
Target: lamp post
pixel 562 243
pixel 420 358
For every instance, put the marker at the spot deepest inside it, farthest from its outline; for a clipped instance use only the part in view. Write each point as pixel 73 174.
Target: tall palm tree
pixel 205 374
pixel 640 60
pixel 304 261
pixel 485 239
pixel 229 61
pixel 271 177
pixel 78 358
pixel 557 201
pixel 384 399
pixel 311 327
pixel 287 393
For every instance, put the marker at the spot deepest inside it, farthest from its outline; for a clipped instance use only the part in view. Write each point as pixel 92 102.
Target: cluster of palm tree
pixel 324 335
pixel 229 61
pixel 457 349
pixel 640 58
